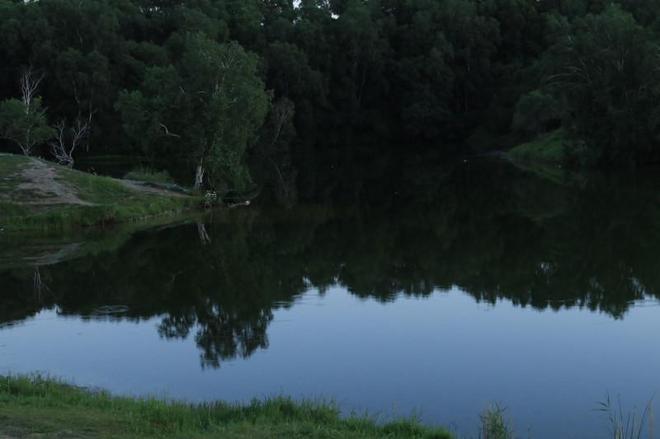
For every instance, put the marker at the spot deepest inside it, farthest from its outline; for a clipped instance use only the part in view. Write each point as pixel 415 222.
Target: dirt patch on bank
pixel 39 181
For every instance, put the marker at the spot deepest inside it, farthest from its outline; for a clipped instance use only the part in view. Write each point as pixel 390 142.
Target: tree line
pixel 238 90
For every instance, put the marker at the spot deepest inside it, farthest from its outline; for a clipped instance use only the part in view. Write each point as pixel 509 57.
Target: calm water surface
pixel 466 286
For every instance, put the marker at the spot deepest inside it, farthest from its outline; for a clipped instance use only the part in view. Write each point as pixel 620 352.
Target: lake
pixel 436 293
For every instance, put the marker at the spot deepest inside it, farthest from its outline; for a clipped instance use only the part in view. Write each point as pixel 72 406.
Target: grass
pixel 149 175
pixel 108 200
pixel 627 425
pixel 10 166
pixel 17 219
pixel 37 407
pixel 546 158
pixel 494 425
pixel 547 148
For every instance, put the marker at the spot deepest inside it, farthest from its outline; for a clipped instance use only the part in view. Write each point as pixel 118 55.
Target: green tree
pixel 536 113
pixel 24 121
pixel 24 125
pixel 209 108
pixel 607 72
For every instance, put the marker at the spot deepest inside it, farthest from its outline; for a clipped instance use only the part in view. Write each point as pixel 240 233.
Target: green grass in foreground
pixel 36 407
pixel 547 148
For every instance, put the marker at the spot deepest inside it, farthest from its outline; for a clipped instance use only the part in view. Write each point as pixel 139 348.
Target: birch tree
pixel 23 120
pixel 208 108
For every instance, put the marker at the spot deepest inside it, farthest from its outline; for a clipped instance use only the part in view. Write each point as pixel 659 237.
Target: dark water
pixel 437 294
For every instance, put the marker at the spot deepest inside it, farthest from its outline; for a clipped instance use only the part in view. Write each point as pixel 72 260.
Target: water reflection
pixel 495 231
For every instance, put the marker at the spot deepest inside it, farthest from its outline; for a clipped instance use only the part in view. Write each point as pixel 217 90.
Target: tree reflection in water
pixel 494 231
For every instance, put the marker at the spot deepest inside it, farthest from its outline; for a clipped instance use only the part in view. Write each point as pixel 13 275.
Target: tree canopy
pixel 194 81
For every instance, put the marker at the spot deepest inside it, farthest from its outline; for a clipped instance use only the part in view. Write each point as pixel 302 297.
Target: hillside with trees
pixel 240 93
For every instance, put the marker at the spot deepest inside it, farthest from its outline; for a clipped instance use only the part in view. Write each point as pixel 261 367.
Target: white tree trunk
pixel 79 133
pixel 199 176
pixel 204 237
pixel 29 85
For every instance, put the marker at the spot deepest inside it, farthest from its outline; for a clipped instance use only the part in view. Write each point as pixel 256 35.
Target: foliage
pixel 210 104
pixel 607 72
pixel 625 425
pixel 25 125
pixel 547 148
pixel 368 78
pixel 493 424
pixel 537 112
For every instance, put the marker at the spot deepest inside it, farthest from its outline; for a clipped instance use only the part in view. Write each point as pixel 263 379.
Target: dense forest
pixel 239 92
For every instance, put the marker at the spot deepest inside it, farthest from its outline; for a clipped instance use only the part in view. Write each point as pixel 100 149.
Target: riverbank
pixel 546 149
pixel 37 195
pixel 35 407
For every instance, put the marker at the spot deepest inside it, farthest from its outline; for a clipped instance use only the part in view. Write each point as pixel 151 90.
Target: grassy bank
pixel 148 175
pixel 39 195
pixel 547 148
pixel 546 158
pixel 34 407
